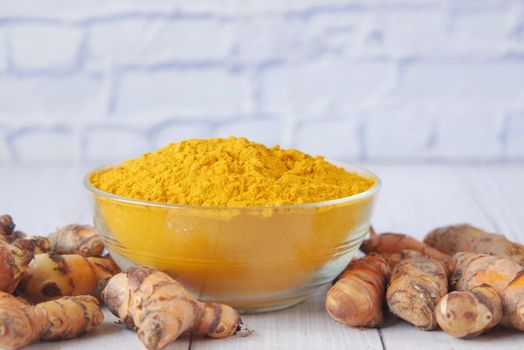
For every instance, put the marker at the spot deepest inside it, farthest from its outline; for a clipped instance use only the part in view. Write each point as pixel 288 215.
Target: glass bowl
pixel 252 258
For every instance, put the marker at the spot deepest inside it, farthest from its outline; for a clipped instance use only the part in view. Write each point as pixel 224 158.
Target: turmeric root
pixel 13 263
pixel 356 298
pixel 394 258
pixel 160 309
pixel 33 244
pixel 416 286
pixel 64 318
pixel 7 226
pixel 76 239
pixel 50 276
pixel 467 314
pixel 388 243
pixel 14 259
pixel 470 270
pixel 466 238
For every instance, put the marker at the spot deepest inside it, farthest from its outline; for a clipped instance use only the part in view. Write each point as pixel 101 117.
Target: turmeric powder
pixel 229 172
pixel 227 243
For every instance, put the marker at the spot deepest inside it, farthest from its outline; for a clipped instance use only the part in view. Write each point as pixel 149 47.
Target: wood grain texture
pixel 441 196
pixel 305 326
pixel 413 200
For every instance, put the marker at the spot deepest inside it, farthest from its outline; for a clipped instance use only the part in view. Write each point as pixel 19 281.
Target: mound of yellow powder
pixel 229 172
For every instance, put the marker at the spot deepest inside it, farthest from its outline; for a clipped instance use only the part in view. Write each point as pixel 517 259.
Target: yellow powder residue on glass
pixel 229 172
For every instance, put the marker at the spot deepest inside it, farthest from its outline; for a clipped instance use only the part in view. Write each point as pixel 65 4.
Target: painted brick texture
pixel 359 80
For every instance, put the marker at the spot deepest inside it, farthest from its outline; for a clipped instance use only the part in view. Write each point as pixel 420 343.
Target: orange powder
pixel 228 242
pixel 229 172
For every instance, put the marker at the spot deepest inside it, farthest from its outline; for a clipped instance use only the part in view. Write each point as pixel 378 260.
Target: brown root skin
pixel 394 259
pixel 160 309
pixel 7 226
pixel 470 270
pixel 515 292
pixel 13 263
pixel 33 244
pixel 466 238
pixel 466 314
pixel 64 318
pixel 76 239
pixel 356 298
pixel 416 286
pixel 50 276
pixel 390 243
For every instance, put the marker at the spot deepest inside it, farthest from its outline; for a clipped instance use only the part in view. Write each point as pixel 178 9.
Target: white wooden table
pixel 414 199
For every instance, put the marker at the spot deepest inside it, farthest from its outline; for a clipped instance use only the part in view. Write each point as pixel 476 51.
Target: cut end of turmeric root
pixel 466 314
pixel 160 309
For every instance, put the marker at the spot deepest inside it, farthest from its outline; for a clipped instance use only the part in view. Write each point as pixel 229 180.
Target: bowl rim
pixel 347 166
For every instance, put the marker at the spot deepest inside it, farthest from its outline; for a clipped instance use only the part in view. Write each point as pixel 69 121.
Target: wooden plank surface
pixel 305 326
pixel 414 199
pixel 422 198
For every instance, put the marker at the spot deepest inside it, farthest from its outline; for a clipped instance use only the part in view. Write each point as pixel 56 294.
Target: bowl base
pixel 250 306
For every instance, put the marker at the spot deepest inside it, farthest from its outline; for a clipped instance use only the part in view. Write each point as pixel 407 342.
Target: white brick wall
pixel 151 41
pixel 397 131
pixel 387 80
pixel 174 131
pixel 38 46
pixel 59 97
pixel 514 139
pixel 5 155
pixel 3 51
pixel 113 143
pixel 316 85
pixel 45 144
pixel 267 131
pixel 210 93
